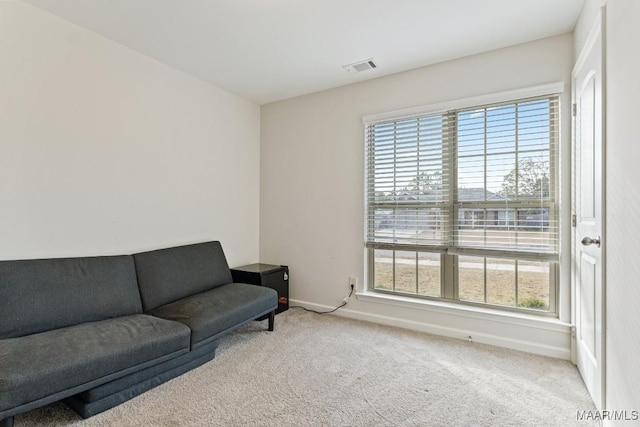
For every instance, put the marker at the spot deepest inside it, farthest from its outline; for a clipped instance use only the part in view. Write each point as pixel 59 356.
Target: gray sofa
pixel 97 331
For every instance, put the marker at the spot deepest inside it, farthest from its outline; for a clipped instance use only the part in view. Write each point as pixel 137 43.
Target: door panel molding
pixel 588 206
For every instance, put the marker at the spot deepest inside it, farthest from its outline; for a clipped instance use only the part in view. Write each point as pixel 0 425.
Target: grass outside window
pixel 495 281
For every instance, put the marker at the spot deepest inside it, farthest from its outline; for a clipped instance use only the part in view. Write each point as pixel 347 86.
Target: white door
pixel 588 238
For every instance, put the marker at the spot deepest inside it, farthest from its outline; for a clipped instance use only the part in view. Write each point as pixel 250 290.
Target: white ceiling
pixel 267 50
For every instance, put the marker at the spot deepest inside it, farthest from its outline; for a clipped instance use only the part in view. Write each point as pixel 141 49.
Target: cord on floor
pixel 326 312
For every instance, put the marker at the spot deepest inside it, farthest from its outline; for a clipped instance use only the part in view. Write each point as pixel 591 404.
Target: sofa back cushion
pixel 167 275
pixel 45 294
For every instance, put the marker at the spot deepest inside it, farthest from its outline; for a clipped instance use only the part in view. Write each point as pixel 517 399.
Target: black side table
pixel 272 276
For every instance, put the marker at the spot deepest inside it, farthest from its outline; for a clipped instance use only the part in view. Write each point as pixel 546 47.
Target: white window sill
pixel 467 311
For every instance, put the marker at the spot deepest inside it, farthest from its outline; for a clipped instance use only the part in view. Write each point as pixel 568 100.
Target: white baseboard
pixel 479 331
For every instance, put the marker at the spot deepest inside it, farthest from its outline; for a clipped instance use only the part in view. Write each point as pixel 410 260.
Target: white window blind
pixel 478 180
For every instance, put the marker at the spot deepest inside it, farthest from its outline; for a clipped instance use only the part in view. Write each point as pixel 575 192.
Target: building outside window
pixel 462 204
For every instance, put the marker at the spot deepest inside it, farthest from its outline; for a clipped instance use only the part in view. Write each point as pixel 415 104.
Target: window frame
pixel 449 277
pixel 449 284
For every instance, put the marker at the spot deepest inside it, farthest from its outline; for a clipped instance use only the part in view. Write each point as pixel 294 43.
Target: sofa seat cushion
pixel 58 361
pixel 215 312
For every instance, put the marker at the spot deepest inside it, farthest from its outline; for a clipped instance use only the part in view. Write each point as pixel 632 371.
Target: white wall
pixel 104 150
pixel 623 205
pixel 588 15
pixel 312 181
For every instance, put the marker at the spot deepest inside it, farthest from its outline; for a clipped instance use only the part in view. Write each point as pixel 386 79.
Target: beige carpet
pixel 329 371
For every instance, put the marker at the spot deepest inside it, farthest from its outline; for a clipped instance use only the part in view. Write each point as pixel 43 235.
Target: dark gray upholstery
pixel 211 313
pixel 106 396
pixel 74 329
pixel 125 382
pixel 39 365
pixel 167 275
pixel 41 295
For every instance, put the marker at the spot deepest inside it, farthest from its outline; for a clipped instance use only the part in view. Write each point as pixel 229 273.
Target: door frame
pixel 598 27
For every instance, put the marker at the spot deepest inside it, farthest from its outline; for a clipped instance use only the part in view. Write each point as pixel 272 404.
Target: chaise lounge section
pixel 97 331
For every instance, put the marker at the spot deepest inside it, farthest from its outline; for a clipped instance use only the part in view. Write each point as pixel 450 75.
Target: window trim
pixel 480 312
pixel 449 255
pixel 498 97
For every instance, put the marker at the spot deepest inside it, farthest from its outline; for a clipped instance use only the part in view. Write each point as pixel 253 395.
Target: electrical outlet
pixel 353 282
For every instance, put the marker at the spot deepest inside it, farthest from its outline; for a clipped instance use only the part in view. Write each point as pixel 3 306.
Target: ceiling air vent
pixel 360 66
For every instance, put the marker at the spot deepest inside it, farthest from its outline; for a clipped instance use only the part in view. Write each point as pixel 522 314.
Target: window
pixel 461 204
